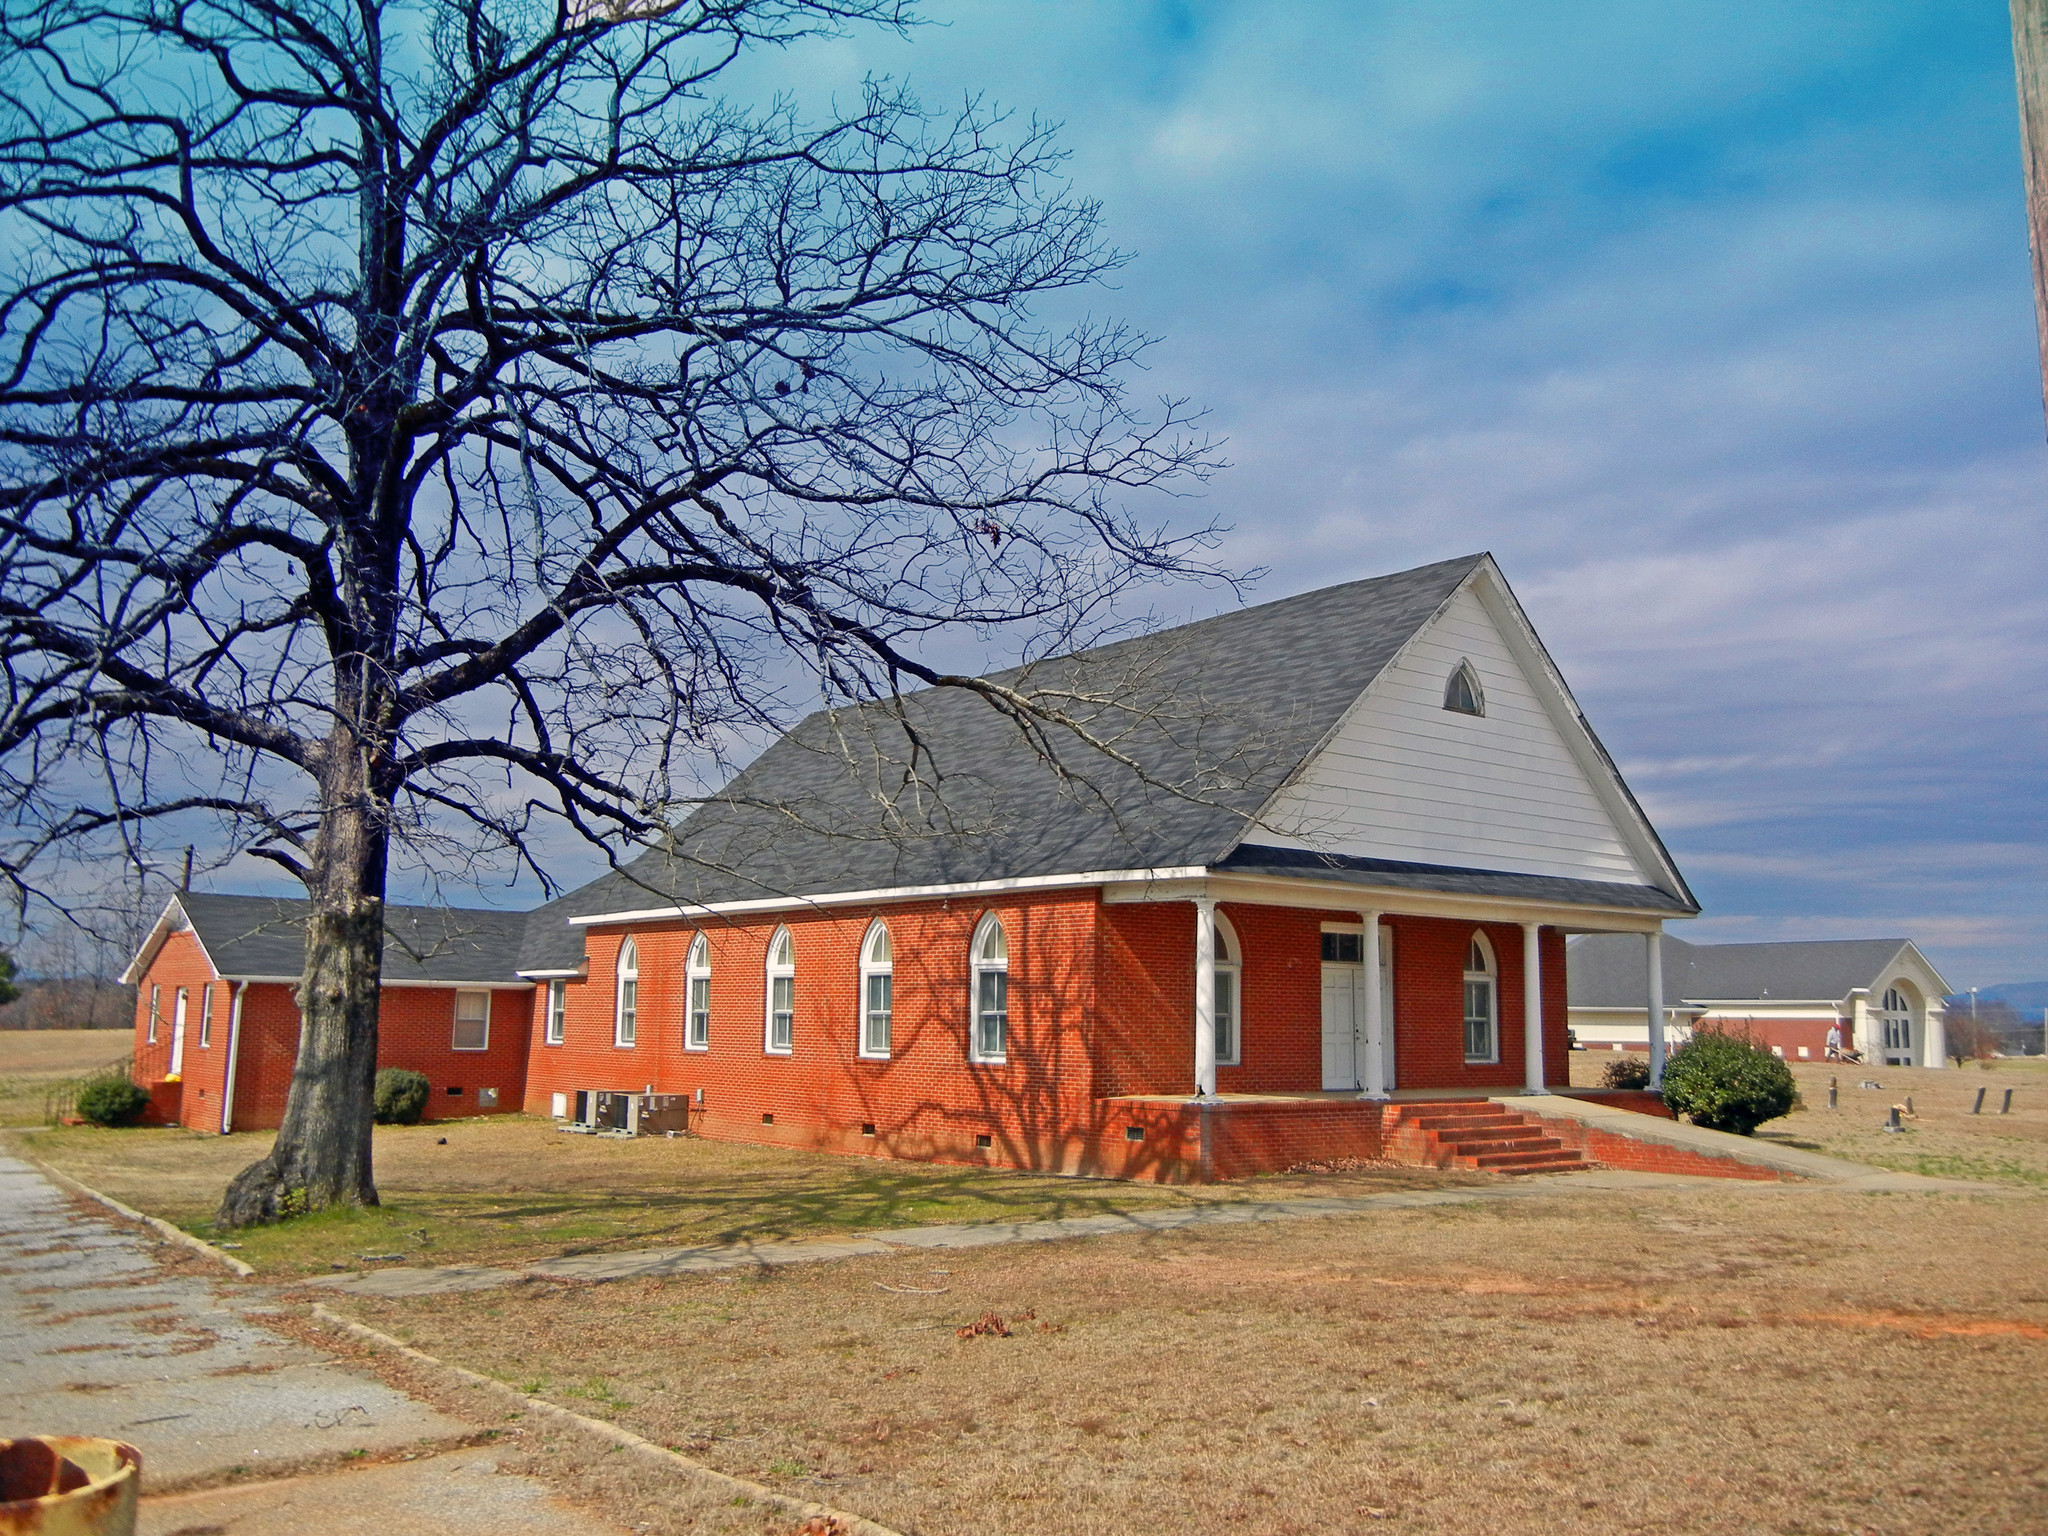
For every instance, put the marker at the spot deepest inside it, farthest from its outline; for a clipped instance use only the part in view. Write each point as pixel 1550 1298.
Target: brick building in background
pixel 1329 868
pixel 217 1027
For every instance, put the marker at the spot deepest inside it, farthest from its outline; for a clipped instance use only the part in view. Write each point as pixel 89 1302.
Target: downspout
pixel 227 1093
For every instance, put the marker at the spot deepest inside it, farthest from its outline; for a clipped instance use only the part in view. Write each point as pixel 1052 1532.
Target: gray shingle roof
pixel 265 936
pixel 1223 709
pixel 1606 970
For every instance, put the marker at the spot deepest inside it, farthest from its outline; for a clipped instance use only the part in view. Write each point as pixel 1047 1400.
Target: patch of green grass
pixel 1935 1165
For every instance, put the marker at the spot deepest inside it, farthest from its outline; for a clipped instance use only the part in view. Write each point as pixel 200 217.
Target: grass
pixel 510 1189
pixel 1736 1359
pixel 33 1062
pixel 1941 1138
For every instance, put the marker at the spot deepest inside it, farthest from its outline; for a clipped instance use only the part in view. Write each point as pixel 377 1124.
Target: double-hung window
pixel 1482 1002
pixel 989 1029
pixel 472 1021
pixel 206 1015
pixel 156 1008
pixel 877 991
pixel 626 1008
pixel 781 1037
pixel 558 1012
pixel 697 1029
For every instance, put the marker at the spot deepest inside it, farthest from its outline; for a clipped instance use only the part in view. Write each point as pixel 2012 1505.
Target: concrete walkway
pixel 645 1262
pixel 97 1339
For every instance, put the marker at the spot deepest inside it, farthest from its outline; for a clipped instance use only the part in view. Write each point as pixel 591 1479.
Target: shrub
pixel 111 1100
pixel 1627 1072
pixel 1727 1084
pixel 401 1096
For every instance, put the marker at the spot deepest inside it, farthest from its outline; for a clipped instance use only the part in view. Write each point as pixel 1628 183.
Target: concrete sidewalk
pixel 711 1258
pixel 97 1339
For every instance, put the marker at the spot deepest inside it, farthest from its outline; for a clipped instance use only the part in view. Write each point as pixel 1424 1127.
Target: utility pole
pixel 2030 67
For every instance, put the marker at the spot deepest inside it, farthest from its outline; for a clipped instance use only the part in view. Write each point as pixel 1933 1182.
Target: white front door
pixel 1343 1010
pixel 178 1034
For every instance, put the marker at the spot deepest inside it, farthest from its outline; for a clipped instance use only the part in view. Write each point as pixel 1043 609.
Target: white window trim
pixel 555 1028
pixel 696 969
pixel 771 972
pixel 977 967
pixel 1227 943
pixel 1471 673
pixel 869 967
pixel 1491 975
pixel 156 1004
pixel 206 1016
pixel 627 968
pixel 456 1022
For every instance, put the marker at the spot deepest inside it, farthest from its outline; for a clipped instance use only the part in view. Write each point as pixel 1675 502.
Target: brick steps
pixel 1475 1133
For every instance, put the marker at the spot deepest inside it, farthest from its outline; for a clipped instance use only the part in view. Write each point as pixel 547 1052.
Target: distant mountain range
pixel 2028 997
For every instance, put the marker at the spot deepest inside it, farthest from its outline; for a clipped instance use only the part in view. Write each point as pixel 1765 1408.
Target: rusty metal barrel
pixel 68 1485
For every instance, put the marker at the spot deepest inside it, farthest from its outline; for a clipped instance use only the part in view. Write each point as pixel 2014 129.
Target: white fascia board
pixel 172 921
pixel 1910 950
pixel 1398 901
pixel 576 973
pixel 1764 1004
pixel 466 986
pixel 887 893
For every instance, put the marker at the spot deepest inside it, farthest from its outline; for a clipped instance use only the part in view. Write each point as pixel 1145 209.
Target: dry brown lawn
pixel 1941 1137
pixel 509 1189
pixel 1664 1357
pixel 34 1061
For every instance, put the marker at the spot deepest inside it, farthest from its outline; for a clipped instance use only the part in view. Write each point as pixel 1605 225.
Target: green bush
pixel 111 1101
pixel 401 1096
pixel 1725 1083
pixel 1627 1072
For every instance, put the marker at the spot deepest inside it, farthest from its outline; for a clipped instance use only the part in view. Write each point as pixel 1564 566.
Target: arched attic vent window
pixel 1462 694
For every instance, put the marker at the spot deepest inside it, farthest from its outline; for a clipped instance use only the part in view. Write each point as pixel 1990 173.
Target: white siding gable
pixel 1404 778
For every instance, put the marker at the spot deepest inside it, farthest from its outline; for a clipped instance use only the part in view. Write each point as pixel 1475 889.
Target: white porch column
pixel 1654 944
pixel 1205 997
pixel 1373 1083
pixel 1532 1006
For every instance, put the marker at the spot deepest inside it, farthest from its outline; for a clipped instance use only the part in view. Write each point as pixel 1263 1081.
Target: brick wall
pixel 1618 1151
pixel 415 1029
pixel 926 1100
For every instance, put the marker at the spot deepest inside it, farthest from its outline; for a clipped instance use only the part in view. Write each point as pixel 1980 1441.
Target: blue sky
pixel 1713 323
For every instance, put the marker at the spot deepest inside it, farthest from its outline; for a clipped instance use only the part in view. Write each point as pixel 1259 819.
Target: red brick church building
pixel 1328 862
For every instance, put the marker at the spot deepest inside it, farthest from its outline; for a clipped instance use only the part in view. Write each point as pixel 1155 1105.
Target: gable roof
pixel 251 937
pixel 1607 970
pixel 1216 716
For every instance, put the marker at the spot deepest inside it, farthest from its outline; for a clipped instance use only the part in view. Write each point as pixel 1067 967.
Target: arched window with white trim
pixel 877 986
pixel 781 1036
pixel 1462 694
pixel 1482 1002
pixel 626 1011
pixel 1229 995
pixel 989 1029
pixel 697 975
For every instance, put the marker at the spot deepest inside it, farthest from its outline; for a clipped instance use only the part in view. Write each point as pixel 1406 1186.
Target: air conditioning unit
pixel 622 1112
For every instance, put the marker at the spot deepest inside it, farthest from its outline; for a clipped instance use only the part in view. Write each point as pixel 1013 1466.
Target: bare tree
pixel 426 421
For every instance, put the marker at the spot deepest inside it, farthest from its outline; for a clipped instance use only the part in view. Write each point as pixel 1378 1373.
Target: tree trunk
pixel 322 1153
pixel 2030 67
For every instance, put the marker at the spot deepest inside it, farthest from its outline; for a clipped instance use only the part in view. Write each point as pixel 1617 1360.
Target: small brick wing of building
pixel 217 1025
pixel 1264 878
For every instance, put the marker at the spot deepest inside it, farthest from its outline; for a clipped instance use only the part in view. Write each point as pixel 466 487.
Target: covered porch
pixel 1267 959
